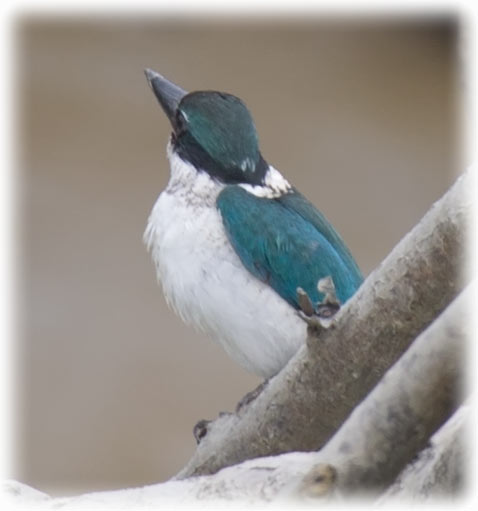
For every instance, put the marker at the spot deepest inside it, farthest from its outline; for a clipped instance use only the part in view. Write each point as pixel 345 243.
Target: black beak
pixel 167 93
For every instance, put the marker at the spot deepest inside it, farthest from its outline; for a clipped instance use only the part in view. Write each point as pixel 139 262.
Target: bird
pixel 235 246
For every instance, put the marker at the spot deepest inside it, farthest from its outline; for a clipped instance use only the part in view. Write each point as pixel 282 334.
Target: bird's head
pixel 213 131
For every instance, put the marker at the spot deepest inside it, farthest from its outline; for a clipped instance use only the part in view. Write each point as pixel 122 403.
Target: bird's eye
pixel 180 123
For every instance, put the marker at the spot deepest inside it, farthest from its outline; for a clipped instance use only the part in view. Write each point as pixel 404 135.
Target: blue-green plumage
pixel 286 243
pixel 232 240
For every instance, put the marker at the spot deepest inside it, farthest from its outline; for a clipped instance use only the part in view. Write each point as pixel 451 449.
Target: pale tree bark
pixel 370 398
pixel 311 397
pixel 381 437
pixel 440 470
pixel 414 398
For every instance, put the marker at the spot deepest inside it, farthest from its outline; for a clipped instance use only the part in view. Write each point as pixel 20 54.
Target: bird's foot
pixel 327 287
pixel 327 310
pixel 200 430
pixel 250 396
pixel 305 303
pixel 319 317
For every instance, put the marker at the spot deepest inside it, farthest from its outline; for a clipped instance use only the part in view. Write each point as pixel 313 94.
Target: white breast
pixel 205 282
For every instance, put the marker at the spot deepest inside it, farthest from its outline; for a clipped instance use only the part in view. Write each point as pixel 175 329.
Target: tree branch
pixel 415 397
pixel 379 438
pixel 312 396
pixel 440 469
pixel 309 404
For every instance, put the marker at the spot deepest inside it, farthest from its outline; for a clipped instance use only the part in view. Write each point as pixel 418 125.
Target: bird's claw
pixel 313 322
pixel 316 317
pixel 327 310
pixel 305 303
pixel 200 430
pixel 326 286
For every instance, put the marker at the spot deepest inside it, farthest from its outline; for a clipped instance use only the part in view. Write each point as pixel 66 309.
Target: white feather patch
pixel 274 185
pixel 205 282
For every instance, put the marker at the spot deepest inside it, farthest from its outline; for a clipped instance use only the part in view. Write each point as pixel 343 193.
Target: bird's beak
pixel 167 93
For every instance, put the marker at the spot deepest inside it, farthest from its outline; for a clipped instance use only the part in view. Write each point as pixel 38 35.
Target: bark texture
pixel 302 407
pixel 374 400
pixel 414 398
pixel 440 470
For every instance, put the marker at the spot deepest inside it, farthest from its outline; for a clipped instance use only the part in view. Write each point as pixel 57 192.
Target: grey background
pixel 359 115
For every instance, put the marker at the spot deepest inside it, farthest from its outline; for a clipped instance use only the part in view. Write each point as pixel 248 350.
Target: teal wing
pixel 286 245
pixel 296 202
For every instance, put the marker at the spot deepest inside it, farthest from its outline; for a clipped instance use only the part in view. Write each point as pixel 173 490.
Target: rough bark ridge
pixel 414 398
pixel 375 399
pixel 312 396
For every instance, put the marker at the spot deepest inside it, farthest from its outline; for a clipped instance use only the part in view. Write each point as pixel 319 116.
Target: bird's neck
pixel 188 184
pixel 196 186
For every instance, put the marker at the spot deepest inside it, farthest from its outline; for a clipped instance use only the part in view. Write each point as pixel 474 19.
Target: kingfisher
pixel 236 247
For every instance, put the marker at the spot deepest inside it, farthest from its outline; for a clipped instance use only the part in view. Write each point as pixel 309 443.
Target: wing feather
pixel 286 246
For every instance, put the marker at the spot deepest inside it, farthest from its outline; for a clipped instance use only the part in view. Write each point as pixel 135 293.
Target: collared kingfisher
pixel 232 240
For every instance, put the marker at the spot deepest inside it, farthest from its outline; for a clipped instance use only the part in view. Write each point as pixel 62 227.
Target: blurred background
pixel 360 115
